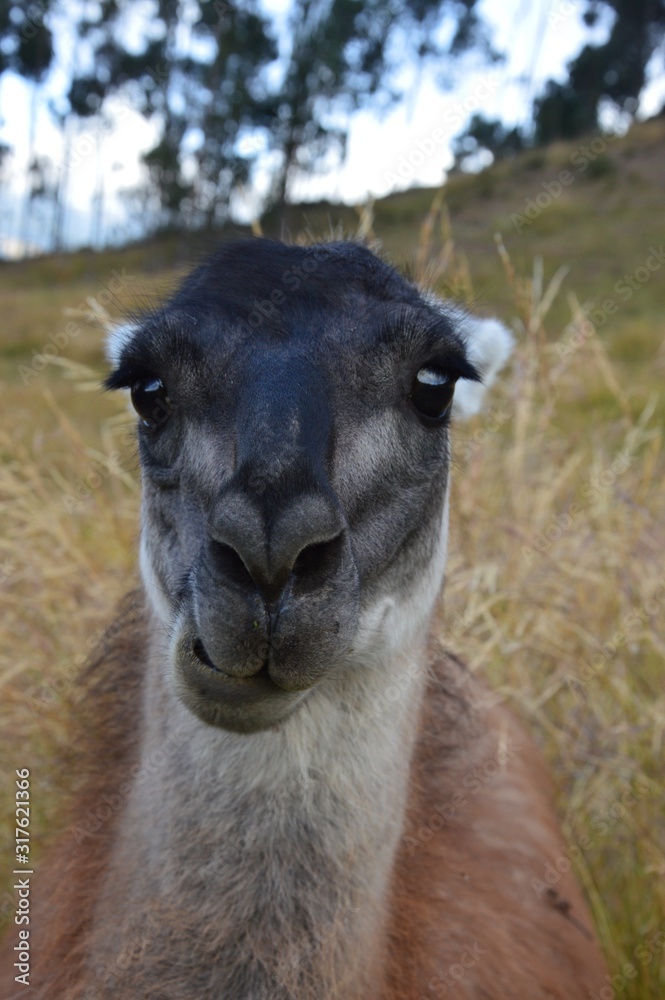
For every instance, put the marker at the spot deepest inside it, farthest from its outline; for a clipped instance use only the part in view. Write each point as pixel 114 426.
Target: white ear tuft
pixel 489 344
pixel 117 338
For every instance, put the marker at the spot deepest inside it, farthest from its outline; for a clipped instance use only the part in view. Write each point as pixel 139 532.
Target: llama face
pixel 293 430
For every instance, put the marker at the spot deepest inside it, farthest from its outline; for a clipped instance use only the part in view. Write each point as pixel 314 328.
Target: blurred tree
pixel 228 86
pixel 345 54
pixel 614 71
pixel 26 48
pixel 191 69
pixel 26 42
pixel 486 135
pixel 118 49
pixel 225 84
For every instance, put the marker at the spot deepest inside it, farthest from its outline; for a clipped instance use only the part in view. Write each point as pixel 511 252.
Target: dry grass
pixel 556 592
pixel 556 584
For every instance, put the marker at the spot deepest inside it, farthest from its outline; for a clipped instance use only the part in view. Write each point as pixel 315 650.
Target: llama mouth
pixel 200 653
pixel 241 704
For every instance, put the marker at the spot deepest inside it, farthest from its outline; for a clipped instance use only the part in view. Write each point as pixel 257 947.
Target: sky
pixel 409 146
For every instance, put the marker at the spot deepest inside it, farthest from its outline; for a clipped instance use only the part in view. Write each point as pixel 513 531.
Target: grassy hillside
pixel 601 223
pixel 557 583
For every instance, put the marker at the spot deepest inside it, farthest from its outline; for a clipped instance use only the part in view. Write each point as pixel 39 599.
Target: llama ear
pixel 117 338
pixel 489 344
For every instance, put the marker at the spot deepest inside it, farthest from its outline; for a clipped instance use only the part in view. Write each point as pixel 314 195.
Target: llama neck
pixel 273 849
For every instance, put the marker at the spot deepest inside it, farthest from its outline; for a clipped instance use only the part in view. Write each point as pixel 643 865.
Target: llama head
pixel 293 407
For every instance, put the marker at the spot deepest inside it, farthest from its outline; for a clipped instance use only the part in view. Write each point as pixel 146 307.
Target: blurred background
pixel 121 117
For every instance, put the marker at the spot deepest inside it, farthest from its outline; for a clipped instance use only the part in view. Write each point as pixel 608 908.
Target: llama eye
pixel 151 402
pixel 432 393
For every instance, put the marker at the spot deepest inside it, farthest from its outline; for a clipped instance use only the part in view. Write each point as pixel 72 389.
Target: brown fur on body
pixel 105 747
pixel 472 914
pixel 462 917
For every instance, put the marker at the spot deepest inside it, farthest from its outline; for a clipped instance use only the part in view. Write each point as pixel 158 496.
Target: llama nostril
pixel 299 546
pixel 272 588
pixel 230 564
pixel 232 567
pixel 316 562
pixel 311 567
pixel 310 558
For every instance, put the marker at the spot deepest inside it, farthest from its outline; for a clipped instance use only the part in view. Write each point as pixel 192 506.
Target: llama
pixel 290 790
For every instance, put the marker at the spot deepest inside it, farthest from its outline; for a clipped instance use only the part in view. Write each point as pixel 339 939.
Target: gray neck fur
pixel 232 842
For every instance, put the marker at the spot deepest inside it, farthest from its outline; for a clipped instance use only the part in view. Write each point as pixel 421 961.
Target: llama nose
pixel 301 542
